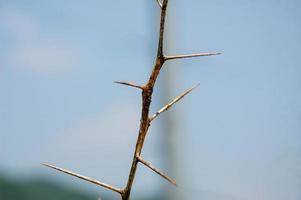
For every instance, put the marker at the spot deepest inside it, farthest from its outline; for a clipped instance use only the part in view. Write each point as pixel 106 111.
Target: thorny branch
pixel 147 91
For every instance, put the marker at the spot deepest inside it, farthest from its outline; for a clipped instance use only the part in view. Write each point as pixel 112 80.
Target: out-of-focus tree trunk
pixel 168 126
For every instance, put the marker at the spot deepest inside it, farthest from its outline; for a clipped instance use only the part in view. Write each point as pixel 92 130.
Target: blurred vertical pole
pixel 169 126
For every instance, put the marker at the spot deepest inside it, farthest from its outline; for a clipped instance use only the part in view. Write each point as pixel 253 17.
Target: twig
pixel 147 164
pixel 166 107
pixel 84 178
pixel 129 84
pixel 190 56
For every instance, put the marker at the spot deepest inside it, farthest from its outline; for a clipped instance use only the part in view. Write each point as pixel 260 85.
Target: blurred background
pixel 238 136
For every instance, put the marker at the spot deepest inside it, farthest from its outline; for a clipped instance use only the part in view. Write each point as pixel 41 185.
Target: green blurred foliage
pixel 42 189
pixel 38 189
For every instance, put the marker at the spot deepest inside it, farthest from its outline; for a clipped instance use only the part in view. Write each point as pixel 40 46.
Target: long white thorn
pixel 190 55
pixel 166 107
pixel 84 178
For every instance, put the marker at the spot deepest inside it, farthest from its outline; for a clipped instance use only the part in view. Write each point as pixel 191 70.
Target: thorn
pixel 84 178
pixel 166 107
pixel 147 164
pixel 159 3
pixel 190 55
pixel 129 84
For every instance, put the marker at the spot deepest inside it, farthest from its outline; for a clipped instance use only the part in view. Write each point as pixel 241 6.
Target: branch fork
pixel 147 91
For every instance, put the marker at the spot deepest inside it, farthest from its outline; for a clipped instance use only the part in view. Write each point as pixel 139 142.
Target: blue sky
pixel 240 128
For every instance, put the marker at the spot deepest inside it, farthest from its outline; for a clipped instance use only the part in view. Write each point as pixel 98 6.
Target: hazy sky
pixel 240 132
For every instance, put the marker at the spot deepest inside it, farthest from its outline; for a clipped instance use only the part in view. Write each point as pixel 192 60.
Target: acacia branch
pixel 169 105
pixel 147 164
pixel 84 178
pixel 147 91
pixel 190 56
